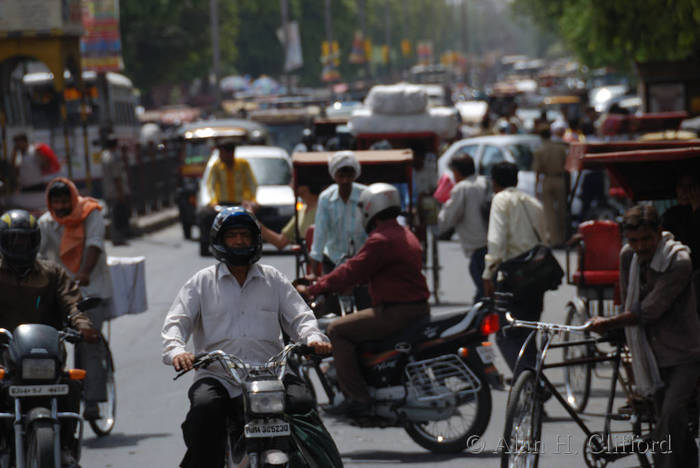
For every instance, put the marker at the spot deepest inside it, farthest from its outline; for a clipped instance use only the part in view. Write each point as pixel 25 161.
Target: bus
pixel 117 113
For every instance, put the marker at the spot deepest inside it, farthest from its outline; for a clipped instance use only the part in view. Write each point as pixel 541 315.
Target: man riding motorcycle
pixel 39 291
pixel 240 307
pixel 390 261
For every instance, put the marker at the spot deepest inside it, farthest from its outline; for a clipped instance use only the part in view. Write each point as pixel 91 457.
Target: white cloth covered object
pixel 129 285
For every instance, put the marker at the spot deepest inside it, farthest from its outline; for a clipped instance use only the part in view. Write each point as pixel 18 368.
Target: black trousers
pixel 673 415
pixel 204 429
pixel 511 341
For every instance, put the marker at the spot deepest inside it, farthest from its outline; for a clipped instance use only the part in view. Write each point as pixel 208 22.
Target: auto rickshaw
pixel 390 166
pixel 197 141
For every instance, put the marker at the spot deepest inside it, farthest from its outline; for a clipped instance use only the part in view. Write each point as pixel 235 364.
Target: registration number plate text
pixel 267 429
pixel 38 390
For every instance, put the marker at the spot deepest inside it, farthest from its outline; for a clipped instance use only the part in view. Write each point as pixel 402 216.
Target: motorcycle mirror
pixel 88 303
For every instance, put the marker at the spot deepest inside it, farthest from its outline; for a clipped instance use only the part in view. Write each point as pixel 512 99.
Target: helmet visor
pixel 20 244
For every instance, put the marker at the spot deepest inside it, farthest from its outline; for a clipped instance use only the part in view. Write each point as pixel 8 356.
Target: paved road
pixel 151 406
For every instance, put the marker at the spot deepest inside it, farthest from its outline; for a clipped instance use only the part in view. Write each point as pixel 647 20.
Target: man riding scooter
pixel 390 261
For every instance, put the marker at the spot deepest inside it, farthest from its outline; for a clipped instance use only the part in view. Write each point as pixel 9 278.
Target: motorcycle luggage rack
pixel 441 377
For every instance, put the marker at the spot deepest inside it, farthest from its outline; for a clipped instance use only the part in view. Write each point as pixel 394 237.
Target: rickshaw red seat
pixel 597 278
pixel 600 260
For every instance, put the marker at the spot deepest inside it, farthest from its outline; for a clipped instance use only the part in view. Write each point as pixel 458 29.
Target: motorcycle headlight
pixel 266 402
pixel 38 369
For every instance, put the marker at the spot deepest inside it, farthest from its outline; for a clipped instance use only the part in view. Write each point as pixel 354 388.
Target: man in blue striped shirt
pixel 338 226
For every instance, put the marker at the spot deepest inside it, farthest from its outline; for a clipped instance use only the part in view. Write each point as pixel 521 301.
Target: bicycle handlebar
pixel 547 326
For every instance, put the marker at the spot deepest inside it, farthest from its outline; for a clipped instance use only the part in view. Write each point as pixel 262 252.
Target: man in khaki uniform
pixel 549 161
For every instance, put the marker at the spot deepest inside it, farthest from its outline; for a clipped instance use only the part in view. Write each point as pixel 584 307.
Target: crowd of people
pixel 358 240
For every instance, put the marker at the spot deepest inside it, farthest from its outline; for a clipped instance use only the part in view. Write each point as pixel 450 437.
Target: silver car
pixel 489 150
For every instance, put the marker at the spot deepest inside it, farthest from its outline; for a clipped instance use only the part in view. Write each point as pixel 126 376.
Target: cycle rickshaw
pixel 390 166
pixel 644 171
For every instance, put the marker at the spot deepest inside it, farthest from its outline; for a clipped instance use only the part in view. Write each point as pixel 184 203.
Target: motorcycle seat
pixel 423 330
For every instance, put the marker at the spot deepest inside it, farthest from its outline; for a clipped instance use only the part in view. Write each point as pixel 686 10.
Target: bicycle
pixel 524 413
pixel 104 425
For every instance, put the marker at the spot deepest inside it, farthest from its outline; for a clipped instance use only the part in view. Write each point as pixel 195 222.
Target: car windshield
pixel 523 156
pixel 271 171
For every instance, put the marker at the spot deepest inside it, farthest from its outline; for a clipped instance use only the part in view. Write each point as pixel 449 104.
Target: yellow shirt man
pixel 235 183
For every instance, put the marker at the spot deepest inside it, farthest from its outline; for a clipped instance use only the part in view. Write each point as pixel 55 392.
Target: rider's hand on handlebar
pixel 599 325
pixel 183 361
pixel 90 335
pixel 321 347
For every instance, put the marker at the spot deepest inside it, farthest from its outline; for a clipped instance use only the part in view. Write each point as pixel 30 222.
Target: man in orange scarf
pixel 72 234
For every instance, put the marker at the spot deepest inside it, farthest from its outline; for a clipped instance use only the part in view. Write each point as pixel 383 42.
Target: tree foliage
pixel 169 41
pixel 619 32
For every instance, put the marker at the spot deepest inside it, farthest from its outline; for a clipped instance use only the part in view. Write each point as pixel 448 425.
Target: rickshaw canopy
pixel 648 174
pixel 390 166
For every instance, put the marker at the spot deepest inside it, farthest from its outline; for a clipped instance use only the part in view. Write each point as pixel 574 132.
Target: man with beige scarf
pixel 662 328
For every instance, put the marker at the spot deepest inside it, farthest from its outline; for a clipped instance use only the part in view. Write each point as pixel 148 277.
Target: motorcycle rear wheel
pixel 433 435
pixel 40 446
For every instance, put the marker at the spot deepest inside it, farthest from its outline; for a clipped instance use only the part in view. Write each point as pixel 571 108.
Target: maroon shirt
pixel 389 260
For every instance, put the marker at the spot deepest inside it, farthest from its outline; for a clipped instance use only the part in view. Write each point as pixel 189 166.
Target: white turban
pixel 343 159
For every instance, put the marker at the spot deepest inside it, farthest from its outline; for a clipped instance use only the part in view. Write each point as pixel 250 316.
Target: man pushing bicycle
pixel 661 326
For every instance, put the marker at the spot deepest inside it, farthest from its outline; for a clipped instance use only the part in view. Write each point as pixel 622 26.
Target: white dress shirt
pixel 463 212
pixel 51 235
pixel 511 231
pixel 219 313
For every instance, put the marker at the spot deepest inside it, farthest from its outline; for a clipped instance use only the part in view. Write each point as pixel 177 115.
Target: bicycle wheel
pixel 577 378
pixel 108 408
pixel 520 446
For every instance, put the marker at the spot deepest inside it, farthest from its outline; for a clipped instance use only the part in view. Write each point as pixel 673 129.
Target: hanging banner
pixel 424 50
pixel 406 48
pixel 357 55
pixel 101 45
pixel 293 58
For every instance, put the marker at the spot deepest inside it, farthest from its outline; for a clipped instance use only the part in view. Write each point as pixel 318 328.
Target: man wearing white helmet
pixel 390 261
pixel 338 229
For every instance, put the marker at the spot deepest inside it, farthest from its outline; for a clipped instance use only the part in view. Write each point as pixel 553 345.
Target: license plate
pixel 267 429
pixel 38 390
pixel 486 353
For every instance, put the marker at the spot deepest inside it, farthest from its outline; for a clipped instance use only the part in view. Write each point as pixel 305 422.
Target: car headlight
pixel 38 369
pixel 266 402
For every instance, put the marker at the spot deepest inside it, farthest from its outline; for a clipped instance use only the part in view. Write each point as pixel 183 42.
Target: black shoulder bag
pixel 534 271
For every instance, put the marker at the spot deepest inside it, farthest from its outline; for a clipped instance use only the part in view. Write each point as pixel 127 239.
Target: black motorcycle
pixel 274 435
pixel 432 379
pixel 32 382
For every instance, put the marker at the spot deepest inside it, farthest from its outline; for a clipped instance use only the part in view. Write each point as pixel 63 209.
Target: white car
pixel 489 150
pixel 272 168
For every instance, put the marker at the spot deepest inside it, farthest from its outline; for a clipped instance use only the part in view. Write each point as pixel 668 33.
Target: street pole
pixel 361 9
pixel 465 38
pixel 284 11
pixel 329 38
pixel 216 53
pixel 387 37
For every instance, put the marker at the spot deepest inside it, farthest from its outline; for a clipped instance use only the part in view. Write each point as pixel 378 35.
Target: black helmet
pixel 19 238
pixel 232 217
